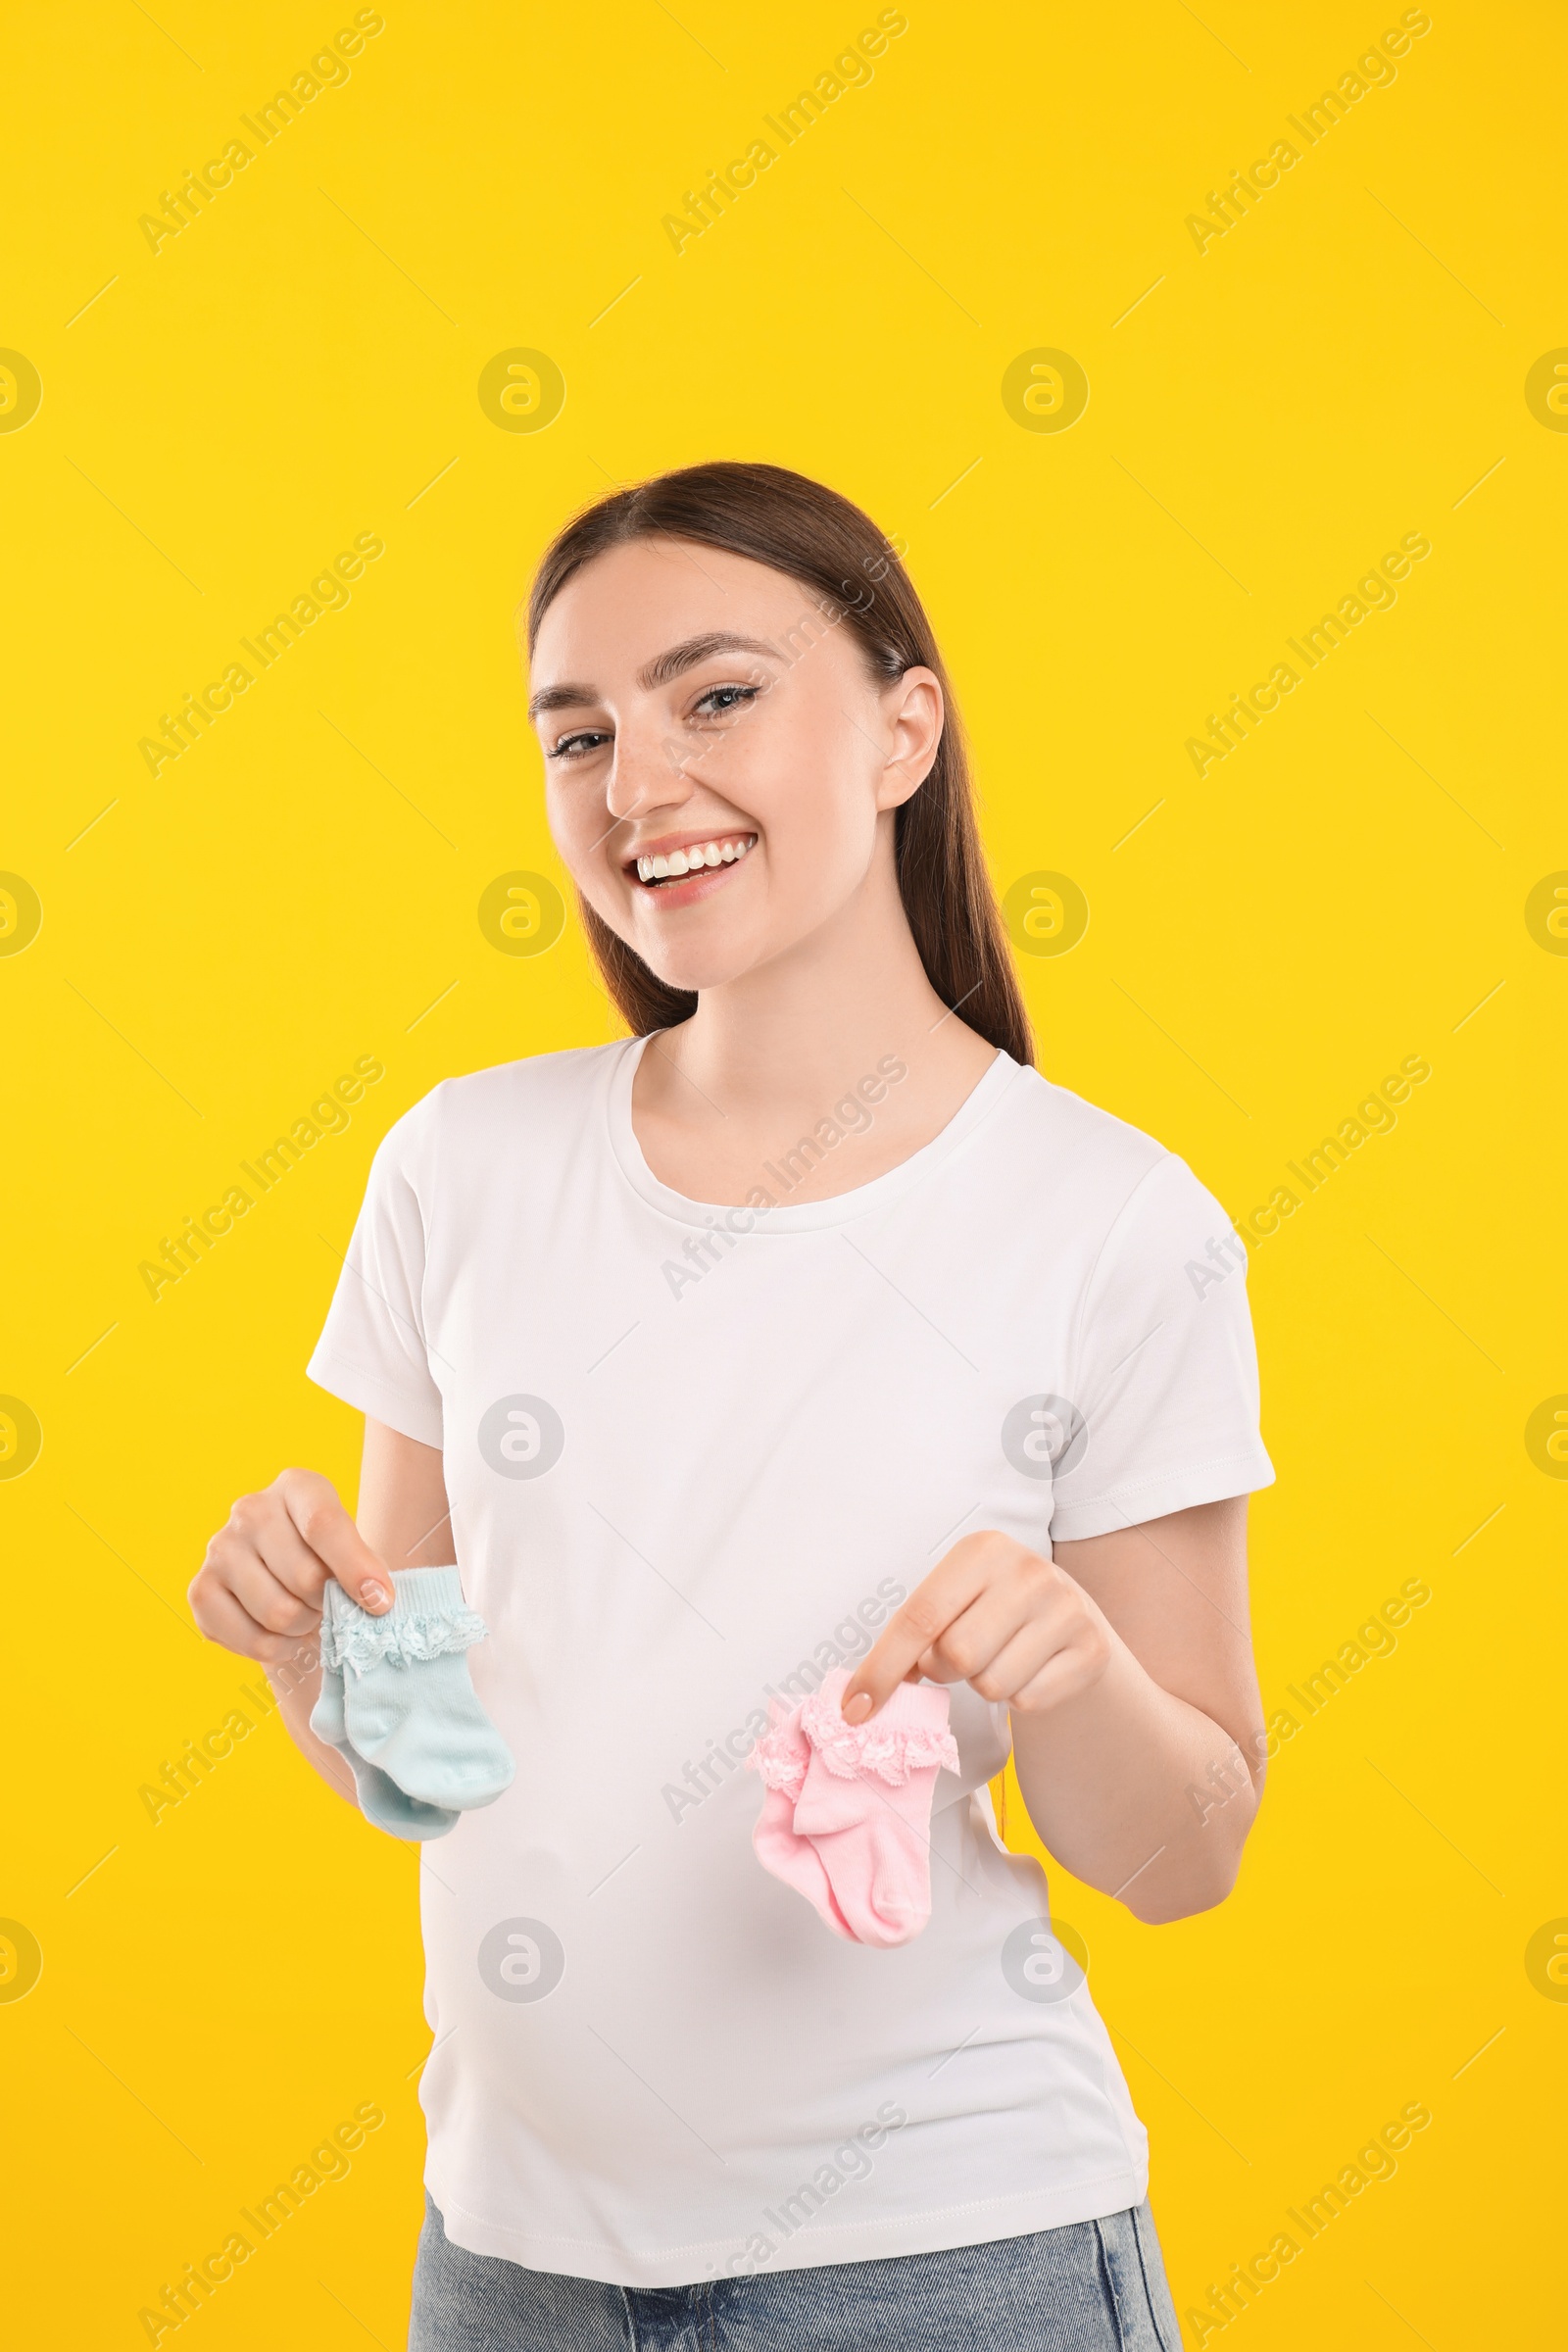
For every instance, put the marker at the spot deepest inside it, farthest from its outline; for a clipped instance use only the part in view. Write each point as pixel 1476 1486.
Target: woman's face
pixel 721 768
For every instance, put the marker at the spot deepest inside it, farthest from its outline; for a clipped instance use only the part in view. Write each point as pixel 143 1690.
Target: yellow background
pixel 300 888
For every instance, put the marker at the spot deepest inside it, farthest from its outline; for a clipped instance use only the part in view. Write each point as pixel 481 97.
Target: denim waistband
pixel 1090 2286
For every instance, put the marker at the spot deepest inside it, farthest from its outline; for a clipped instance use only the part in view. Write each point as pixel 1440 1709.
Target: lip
pixel 664 844
pixel 687 889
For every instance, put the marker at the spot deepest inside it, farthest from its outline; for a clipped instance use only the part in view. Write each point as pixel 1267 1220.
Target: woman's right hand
pixel 259 1590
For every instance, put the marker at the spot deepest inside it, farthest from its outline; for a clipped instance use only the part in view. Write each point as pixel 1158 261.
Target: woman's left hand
pixel 995 1615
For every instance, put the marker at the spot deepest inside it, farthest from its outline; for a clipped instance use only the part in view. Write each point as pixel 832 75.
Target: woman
pixel 807 1327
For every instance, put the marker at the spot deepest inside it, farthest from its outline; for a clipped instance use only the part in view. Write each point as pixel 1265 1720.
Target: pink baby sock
pixel 782 1757
pixel 856 1799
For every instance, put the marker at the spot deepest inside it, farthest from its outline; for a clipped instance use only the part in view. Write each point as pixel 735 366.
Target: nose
pixel 648 773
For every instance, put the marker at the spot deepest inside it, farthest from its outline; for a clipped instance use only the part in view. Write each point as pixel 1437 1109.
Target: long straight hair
pixel 802 528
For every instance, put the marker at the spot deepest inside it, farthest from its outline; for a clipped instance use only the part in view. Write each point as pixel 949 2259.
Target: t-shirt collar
pixel 842 1208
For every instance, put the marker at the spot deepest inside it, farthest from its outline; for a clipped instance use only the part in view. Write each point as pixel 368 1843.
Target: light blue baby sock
pixel 381 1801
pixel 409 1705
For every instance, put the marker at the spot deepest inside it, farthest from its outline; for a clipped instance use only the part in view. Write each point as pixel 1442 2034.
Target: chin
pixel 693 973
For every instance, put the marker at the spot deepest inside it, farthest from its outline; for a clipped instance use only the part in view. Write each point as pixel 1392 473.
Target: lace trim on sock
pixel 890 1751
pixel 781 1759
pixel 353 1638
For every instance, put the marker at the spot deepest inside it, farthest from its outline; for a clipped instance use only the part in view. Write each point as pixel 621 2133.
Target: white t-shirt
pixel 685 1478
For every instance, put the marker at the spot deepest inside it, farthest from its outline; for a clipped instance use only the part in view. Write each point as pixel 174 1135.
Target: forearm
pixel 1135 1792
pixel 296 1683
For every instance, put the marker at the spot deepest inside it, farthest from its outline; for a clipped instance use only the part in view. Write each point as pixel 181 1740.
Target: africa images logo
pixel 1044 1437
pixel 522 1436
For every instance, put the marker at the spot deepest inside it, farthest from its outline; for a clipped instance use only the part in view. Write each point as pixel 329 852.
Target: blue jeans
pixel 1093 2287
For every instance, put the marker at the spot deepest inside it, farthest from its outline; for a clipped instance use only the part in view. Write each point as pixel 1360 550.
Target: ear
pixel 914 715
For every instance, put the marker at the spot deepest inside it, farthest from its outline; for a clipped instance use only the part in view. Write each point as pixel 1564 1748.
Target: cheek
pixel 558 811
pixel 576 817
pixel 814 794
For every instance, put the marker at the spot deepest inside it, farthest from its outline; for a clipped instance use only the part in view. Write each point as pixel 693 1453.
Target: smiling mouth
pixel 695 857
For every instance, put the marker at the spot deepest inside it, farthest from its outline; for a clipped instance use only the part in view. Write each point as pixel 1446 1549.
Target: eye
pixel 719 700
pixel 578 746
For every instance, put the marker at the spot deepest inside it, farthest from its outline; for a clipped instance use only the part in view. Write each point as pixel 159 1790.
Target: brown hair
pixel 802 528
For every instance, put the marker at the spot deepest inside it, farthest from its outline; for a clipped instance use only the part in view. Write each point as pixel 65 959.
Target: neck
pixel 803 1048
pixel 788 1038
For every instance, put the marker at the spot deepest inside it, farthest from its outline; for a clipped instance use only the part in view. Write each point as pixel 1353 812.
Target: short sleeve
pixel 1164 1370
pixel 372 1352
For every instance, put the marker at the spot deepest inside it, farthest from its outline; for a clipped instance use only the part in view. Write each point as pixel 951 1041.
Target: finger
pixel 916 1627
pixel 968 1648
pixel 1063 1675
pixel 266 1599
pixel 261 1531
pixel 1016 1664
pixel 312 1504
pixel 223 1620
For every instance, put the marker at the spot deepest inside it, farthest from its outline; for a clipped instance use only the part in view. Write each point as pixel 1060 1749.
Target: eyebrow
pixel 673 663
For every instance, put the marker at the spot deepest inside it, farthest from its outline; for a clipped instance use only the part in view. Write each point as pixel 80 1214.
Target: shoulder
pixel 1082 1145
pixel 541 1095
pixel 1108 1180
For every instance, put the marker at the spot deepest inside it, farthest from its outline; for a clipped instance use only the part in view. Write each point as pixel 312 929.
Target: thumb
pixel 313 1505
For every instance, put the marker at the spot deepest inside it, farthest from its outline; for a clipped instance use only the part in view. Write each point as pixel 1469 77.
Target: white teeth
pixel 696 857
